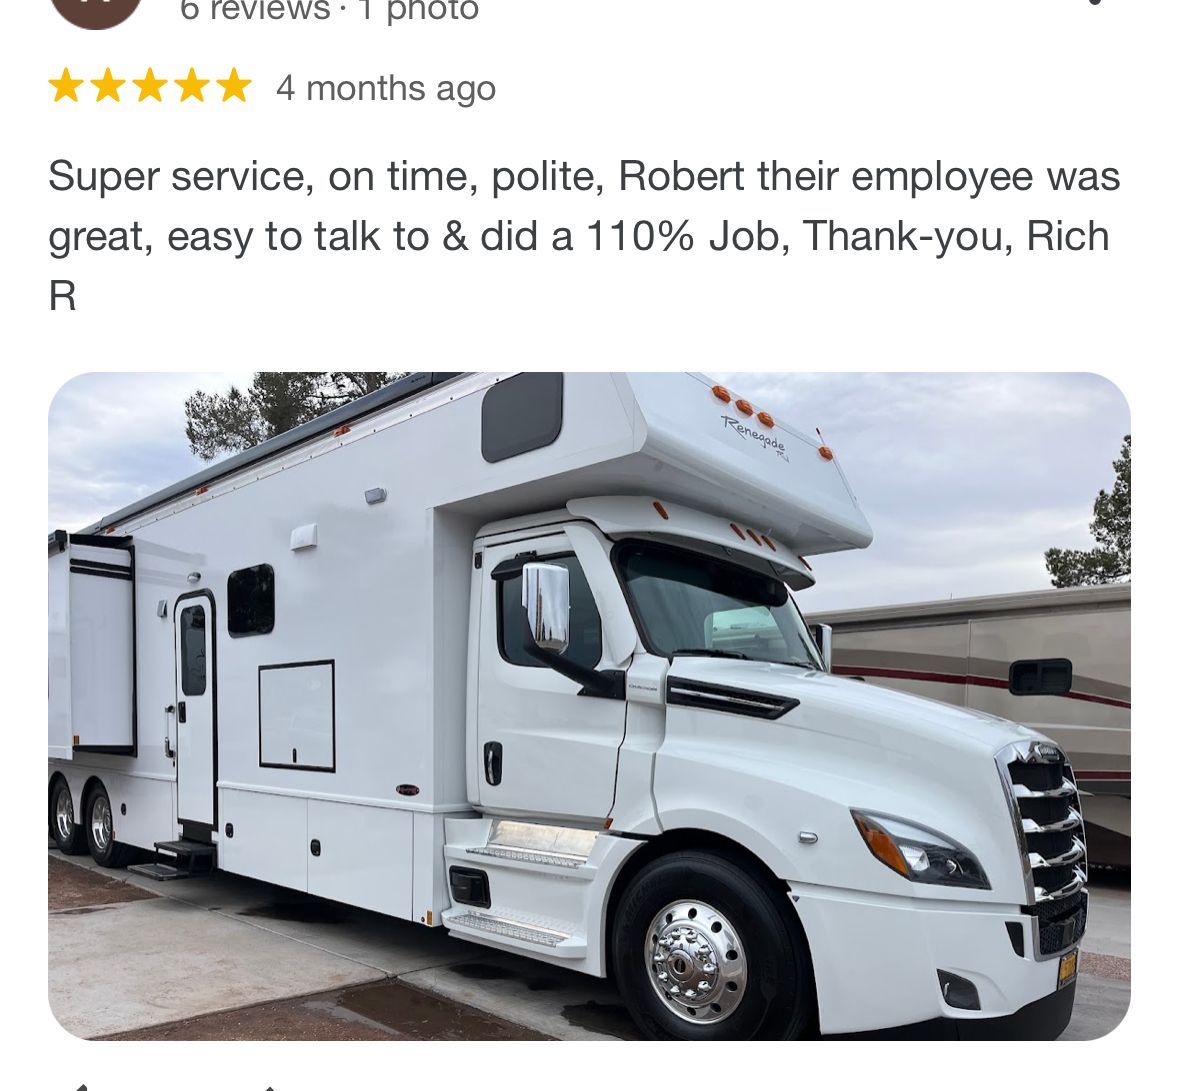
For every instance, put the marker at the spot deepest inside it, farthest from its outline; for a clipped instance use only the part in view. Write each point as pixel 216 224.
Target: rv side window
pixel 250 598
pixel 192 651
pixel 1040 677
pixel 522 414
pixel 585 626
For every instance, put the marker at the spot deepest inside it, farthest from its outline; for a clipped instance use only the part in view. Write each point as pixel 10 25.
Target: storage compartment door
pixel 361 856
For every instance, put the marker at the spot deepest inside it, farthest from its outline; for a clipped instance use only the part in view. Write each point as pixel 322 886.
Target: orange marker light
pixel 343 430
pixel 881 845
pixel 753 535
pixel 723 394
pixel 744 407
pixel 769 543
pixel 202 490
pixel 766 419
pixel 738 531
pixel 827 453
pixel 662 510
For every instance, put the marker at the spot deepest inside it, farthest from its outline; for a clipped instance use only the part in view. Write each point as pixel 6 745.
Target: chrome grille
pixel 1046 812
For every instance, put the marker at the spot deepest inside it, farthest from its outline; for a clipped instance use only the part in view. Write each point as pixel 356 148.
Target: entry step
pixel 158 871
pixel 185 847
pixel 186 860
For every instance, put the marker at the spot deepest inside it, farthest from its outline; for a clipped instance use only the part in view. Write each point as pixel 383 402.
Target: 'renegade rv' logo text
pixel 96 14
pixel 769 443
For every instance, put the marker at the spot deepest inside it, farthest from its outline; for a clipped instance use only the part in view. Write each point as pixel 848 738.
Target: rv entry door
pixel 195 710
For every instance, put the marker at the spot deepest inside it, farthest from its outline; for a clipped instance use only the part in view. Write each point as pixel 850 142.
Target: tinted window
pixel 688 602
pixel 585 627
pixel 523 413
pixel 1040 677
pixel 250 599
pixel 192 651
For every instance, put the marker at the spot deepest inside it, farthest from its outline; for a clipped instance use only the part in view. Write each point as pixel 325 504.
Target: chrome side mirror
pixel 821 634
pixel 545 598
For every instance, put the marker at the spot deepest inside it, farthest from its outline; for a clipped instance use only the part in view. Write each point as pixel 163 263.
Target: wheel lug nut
pixel 710 967
pixel 663 976
pixel 675 990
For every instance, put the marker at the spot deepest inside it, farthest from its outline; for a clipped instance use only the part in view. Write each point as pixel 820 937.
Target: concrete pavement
pixel 216 944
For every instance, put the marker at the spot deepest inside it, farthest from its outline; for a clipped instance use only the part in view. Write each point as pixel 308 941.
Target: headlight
pixel 918 853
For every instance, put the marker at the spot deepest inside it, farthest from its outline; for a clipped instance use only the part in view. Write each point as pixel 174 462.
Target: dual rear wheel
pixel 95 833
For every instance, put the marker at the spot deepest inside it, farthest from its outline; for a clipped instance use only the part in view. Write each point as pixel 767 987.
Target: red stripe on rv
pixel 962 680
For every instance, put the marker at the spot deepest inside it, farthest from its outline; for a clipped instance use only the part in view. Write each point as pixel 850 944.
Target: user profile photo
pixel 96 14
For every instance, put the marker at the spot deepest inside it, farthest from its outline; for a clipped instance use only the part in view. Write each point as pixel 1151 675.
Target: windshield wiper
pixel 714 653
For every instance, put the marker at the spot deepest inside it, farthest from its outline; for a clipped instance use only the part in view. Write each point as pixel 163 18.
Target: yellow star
pixel 108 86
pixel 235 86
pixel 67 86
pixel 192 87
pixel 149 86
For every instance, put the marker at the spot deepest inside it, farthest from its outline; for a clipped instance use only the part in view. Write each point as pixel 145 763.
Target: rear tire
pixel 704 951
pixel 67 834
pixel 100 830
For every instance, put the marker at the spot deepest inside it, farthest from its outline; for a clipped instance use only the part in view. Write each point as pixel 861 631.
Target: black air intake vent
pixel 742 702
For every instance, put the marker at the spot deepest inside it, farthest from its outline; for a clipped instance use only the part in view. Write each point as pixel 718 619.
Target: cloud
pixel 116 437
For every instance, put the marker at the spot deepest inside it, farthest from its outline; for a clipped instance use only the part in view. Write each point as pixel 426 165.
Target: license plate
pixel 1068 970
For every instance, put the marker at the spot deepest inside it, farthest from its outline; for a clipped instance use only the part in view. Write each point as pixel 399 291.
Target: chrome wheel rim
pixel 63 814
pixel 696 962
pixel 100 823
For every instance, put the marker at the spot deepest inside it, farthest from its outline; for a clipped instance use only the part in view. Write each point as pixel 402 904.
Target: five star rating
pixel 151 87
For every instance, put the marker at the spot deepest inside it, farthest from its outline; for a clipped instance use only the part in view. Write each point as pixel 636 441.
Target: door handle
pixel 493 762
pixel 182 712
pixel 168 751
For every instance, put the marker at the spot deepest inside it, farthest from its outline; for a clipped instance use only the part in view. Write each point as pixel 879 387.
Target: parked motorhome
pixel 462 653
pixel 1058 661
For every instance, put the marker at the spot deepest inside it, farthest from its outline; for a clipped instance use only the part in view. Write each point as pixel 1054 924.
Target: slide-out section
pixel 91 645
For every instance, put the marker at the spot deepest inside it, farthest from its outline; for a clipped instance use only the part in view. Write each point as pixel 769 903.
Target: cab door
pixel 195 710
pixel 543 750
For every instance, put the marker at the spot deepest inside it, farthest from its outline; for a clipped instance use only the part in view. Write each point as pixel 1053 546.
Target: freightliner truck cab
pixel 786 849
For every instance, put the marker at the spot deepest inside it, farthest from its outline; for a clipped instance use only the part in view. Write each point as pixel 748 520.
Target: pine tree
pixel 275 402
pixel 1109 560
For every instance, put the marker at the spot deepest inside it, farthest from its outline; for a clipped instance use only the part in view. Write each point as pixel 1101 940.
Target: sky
pixel 965 478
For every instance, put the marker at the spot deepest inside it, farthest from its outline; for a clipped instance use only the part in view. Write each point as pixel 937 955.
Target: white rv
pixel 1058 661
pixel 462 653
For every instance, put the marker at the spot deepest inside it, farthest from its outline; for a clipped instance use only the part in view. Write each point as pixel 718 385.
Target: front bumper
pixel 877 957
pixel 1042 1020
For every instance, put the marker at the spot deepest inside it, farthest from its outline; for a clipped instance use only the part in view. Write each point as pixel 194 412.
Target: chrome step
pixel 501 926
pixel 528 856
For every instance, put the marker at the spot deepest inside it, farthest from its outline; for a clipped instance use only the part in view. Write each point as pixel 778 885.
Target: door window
pixel 585 626
pixel 192 651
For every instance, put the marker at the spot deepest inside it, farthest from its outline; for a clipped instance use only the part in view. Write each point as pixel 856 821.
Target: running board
pixel 528 856
pixel 513 934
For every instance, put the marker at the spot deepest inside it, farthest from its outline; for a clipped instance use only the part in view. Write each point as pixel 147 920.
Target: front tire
pixel 100 830
pixel 704 951
pixel 67 834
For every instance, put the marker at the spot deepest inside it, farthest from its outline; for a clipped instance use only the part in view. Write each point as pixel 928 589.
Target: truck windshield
pixel 686 602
